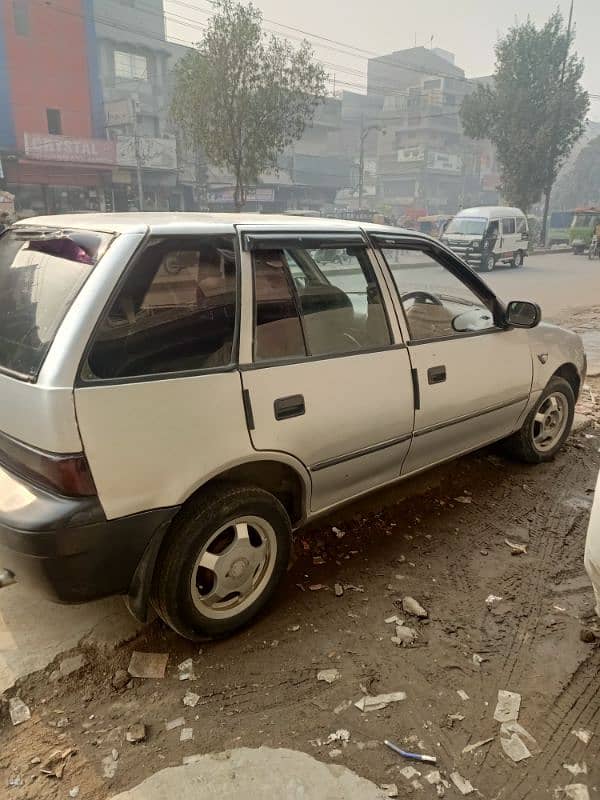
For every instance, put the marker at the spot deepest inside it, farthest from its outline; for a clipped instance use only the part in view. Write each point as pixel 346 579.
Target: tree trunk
pixel 544 232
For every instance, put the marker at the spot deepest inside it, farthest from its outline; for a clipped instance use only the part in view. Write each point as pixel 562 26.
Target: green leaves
pixel 534 112
pixel 243 96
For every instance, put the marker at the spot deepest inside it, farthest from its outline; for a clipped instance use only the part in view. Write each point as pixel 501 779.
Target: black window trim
pixel 88 382
pixel 456 267
pixel 308 240
pixel 297 242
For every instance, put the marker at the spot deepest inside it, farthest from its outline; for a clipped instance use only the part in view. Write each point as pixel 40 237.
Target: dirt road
pixel 440 538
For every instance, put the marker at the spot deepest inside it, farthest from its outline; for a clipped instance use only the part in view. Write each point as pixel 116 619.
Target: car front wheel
pixel 489 262
pixel 518 259
pixel 221 561
pixel 547 425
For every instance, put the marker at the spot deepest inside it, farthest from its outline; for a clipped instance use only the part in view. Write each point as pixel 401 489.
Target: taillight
pixel 68 474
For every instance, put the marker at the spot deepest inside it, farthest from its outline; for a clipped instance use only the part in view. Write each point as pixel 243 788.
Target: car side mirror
pixel 523 314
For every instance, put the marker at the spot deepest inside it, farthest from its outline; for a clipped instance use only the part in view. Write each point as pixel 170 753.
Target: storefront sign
pixel 445 162
pixel 152 153
pixel 46 147
pixel 252 196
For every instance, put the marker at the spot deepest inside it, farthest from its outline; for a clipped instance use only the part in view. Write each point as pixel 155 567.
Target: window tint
pixel 436 303
pixel 508 225
pixel 175 312
pixel 54 121
pixel 335 292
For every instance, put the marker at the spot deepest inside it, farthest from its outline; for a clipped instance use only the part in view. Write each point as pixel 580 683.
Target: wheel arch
pixel 569 372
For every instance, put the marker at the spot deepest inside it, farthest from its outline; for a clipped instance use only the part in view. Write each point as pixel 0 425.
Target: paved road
pixel 556 282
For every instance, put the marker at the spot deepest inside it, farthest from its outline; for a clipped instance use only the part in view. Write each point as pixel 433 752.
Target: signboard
pixel 445 162
pixel 253 196
pixel 47 147
pixel 411 154
pixel 118 112
pixel 153 153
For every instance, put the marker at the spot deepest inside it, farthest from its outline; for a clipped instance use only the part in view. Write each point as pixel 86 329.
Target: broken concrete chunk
pixel 68 666
pixel 19 712
pixel 583 735
pixel 409 773
pixel 405 636
pixel 507 708
pixel 389 789
pixel 338 589
pixel 110 764
pixel 148 665
pixel 174 723
pixel 491 600
pixel 516 742
pixel 411 606
pixel 576 769
pixel 462 694
pixel 136 733
pixel 186 735
pixel 462 784
pixel 328 675
pixel 576 791
pixel 191 699
pixel 74 792
pixel 379 701
pixel 394 619
pixel 341 735
pixel 186 670
pixel 120 679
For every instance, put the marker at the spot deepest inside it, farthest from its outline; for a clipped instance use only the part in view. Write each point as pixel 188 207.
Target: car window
pixel 436 303
pixel 319 303
pixel 521 225
pixel 508 225
pixel 493 228
pixel 175 312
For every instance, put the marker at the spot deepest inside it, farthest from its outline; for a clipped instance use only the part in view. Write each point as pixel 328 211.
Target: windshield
pixel 41 273
pixel 472 226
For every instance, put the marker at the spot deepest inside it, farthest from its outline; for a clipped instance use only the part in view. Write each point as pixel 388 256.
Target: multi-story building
pixel 135 61
pixel 53 151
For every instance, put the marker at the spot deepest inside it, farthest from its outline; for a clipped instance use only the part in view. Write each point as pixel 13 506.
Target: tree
pixel 580 185
pixel 243 96
pixel 534 111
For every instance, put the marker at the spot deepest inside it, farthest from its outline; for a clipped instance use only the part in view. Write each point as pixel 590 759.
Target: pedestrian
pixel 592 547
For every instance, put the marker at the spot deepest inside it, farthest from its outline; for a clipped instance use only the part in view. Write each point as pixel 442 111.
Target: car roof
pixel 192 222
pixel 491 211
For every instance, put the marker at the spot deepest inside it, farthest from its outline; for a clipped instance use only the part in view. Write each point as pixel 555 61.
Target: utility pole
pixel 364 132
pixel 555 132
pixel 138 154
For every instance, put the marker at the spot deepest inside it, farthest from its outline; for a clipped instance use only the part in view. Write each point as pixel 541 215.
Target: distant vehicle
pixel 560 223
pixel 582 228
pixel 433 225
pixel 488 235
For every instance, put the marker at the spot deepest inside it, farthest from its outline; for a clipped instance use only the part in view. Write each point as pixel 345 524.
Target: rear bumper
pixel 65 547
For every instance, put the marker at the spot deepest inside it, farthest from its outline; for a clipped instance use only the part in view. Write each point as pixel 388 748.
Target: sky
pixel 468 28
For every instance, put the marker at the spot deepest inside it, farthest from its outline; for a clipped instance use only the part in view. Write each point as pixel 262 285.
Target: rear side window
pixel 41 273
pixel 175 312
pixel 508 225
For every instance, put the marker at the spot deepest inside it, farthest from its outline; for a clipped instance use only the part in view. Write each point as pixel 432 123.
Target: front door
pixel 328 377
pixel 473 378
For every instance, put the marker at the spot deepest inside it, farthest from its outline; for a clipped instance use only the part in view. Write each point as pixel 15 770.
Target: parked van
pixel 179 392
pixel 488 235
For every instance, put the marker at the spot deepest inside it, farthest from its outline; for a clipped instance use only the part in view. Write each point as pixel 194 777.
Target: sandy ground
pixel 260 687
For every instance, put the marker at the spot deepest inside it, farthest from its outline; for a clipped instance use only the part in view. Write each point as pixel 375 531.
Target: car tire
pixel 489 262
pixel 221 561
pixel 517 260
pixel 546 426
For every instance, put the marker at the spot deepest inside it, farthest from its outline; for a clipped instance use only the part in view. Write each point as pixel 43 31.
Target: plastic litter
pixel 379 701
pixel 507 708
pixel 462 784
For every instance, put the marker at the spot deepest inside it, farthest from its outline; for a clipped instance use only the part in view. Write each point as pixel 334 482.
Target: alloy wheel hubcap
pixel 550 422
pixel 234 567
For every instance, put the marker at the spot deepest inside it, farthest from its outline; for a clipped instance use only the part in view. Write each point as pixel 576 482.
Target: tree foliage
pixel 243 96
pixel 534 111
pixel 580 185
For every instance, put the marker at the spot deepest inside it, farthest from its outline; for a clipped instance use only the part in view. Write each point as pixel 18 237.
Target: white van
pixel 488 235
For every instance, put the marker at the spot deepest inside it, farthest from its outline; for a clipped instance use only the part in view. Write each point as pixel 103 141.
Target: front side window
pixel 436 303
pixel 176 312
pixel 41 273
pixel 317 302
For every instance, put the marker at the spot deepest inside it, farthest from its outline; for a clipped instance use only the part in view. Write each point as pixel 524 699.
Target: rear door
pixel 326 373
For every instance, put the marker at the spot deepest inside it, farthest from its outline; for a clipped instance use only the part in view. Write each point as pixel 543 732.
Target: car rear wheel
pixel 547 425
pixel 518 259
pixel 489 262
pixel 221 561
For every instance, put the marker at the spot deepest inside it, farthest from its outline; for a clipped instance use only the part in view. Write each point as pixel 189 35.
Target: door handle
pixel 436 374
pixel 292 406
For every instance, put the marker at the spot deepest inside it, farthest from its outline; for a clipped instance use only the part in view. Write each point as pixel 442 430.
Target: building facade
pixel 53 154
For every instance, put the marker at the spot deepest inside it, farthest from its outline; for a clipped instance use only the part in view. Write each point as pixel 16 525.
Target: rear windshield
pixel 472 226
pixel 41 272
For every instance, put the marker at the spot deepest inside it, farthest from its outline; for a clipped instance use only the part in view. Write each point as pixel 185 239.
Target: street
pixel 496 621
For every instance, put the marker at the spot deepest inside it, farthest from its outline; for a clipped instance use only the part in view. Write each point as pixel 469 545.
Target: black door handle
pixel 436 374
pixel 292 406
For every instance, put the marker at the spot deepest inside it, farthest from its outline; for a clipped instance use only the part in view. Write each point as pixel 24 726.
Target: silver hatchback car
pixel 179 392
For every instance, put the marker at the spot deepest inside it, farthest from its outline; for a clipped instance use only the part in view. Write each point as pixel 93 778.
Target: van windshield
pixel 41 273
pixel 472 226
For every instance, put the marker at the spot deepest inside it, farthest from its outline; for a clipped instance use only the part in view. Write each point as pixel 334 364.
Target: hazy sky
pixel 468 28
